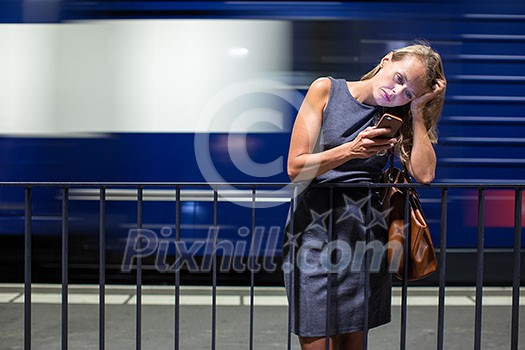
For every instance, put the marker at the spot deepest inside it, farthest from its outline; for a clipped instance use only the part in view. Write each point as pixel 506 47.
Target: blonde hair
pixel 432 110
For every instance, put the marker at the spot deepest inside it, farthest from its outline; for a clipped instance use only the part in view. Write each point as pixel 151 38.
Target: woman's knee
pixel 350 341
pixel 316 343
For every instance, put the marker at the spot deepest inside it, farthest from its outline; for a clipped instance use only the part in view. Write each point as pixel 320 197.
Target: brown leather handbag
pixel 421 258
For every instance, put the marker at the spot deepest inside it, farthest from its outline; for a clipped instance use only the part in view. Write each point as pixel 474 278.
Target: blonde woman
pixel 334 140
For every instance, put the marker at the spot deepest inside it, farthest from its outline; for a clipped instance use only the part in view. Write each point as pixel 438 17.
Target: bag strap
pixel 391 166
pixel 404 169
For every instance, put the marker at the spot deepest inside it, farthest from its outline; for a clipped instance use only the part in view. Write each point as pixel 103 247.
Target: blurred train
pixel 118 93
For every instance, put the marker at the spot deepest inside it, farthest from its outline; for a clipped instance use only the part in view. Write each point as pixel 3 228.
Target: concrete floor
pixel 233 312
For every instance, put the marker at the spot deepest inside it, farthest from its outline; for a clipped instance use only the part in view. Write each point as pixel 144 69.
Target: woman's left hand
pixel 419 103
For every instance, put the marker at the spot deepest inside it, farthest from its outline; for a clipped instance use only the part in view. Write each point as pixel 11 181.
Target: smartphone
pixel 392 122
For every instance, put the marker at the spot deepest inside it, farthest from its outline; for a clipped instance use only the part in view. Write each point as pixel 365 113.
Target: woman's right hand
pixel 370 141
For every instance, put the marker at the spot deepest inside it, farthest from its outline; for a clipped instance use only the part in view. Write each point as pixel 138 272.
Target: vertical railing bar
pixel 442 268
pixel 214 262
pixel 27 269
pixel 406 262
pixel 102 272
pixel 517 269
pixel 367 269
pixel 177 269
pixel 479 274
pixel 138 310
pixel 65 222
pixel 329 268
pixel 291 267
pixel 252 267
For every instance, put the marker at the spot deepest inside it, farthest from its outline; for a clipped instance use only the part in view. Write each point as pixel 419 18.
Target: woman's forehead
pixel 414 71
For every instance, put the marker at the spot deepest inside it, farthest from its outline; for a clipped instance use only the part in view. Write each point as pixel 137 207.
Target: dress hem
pixel 341 331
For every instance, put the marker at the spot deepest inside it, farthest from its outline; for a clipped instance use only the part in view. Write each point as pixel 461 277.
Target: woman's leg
pixel 347 341
pixel 350 341
pixel 316 343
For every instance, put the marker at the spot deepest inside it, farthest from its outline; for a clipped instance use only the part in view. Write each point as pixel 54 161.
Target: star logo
pixel 318 220
pixel 380 218
pixel 292 239
pixel 350 209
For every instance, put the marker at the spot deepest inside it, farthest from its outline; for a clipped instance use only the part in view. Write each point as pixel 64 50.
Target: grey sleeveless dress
pixel 315 255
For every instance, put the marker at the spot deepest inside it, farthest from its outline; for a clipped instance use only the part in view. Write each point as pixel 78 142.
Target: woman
pixel 334 140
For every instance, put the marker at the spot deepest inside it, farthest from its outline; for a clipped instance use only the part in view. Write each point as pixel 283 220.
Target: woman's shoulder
pixel 326 83
pixel 321 86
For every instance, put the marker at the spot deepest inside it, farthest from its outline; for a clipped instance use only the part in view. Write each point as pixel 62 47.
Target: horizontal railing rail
pixel 516 184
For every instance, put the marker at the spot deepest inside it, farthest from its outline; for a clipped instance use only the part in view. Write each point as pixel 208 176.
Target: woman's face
pixel 399 82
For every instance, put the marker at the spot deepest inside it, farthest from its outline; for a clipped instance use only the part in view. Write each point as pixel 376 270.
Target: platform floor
pixel 233 315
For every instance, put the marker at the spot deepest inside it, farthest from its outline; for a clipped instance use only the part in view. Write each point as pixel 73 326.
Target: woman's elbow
pixel 293 172
pixel 422 173
pixel 296 172
pixel 426 178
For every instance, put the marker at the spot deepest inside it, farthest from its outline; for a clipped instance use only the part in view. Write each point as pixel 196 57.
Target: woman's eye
pixel 399 79
pixel 409 95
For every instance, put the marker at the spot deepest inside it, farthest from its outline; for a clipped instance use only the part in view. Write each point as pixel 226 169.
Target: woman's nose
pixel 398 89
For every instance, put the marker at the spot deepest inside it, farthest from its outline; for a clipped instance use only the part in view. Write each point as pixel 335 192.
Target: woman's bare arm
pixel 305 165
pixel 422 164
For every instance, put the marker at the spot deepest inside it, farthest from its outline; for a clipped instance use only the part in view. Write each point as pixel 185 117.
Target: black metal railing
pixel 102 187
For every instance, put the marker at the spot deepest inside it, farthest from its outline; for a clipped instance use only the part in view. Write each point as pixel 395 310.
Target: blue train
pixel 204 92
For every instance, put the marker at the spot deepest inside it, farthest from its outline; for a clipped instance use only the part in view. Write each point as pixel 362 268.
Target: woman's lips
pixel 386 96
